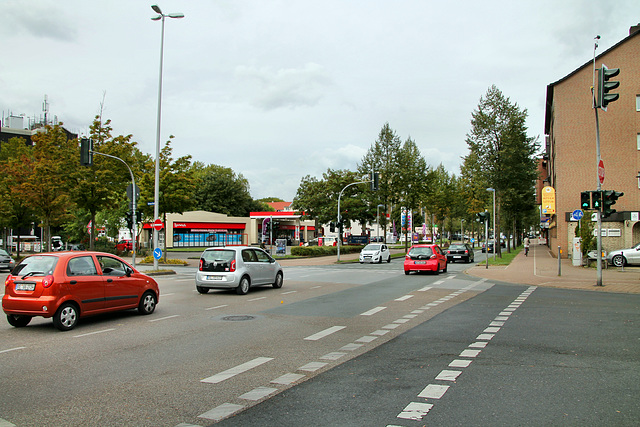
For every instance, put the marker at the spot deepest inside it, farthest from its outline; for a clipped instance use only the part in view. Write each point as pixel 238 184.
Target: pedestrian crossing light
pixel 596 200
pixel 609 198
pixel 604 86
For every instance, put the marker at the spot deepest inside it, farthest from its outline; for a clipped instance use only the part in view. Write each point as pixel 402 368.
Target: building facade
pixel 570 162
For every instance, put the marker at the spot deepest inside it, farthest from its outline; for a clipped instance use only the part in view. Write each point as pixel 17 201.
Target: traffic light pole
pixel 599 211
pixel 340 216
pixel 133 212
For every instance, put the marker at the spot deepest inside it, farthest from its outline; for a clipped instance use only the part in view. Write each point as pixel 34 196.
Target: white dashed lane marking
pixel 224 375
pixel 322 334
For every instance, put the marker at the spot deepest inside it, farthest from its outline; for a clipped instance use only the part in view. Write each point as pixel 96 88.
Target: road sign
pixel 601 171
pixel 157 224
pixel 157 253
pixel 577 215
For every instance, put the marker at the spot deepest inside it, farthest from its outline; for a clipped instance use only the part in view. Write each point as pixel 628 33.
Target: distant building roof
pixel 281 206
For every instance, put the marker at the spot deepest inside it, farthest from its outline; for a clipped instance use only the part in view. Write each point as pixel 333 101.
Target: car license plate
pixel 420 262
pixel 458 256
pixel 214 277
pixel 25 286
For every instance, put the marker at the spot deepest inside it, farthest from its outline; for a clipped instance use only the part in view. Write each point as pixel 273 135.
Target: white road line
pixel 478 344
pixel 335 355
pixel 459 363
pixel 351 347
pixel 390 326
pixel 287 379
pixel 315 287
pixel 401 321
pixel 93 333
pixel 287 293
pixel 7 351
pixel 217 306
pixel 256 299
pixel 224 375
pixel 426 288
pixel 446 375
pixel 322 334
pixel 222 411
pixel 491 330
pixel 258 393
pixel 167 295
pixel 438 282
pixel 5 423
pixel 487 337
pixel 312 366
pixel 165 318
pixel 404 298
pixel 434 391
pixel 415 411
pixel 470 353
pixel 380 332
pixel 373 311
pixel 366 338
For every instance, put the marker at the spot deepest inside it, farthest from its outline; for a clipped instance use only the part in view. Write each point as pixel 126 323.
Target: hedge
pixel 313 251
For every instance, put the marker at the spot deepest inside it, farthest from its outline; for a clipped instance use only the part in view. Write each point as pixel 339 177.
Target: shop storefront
pixel 206 234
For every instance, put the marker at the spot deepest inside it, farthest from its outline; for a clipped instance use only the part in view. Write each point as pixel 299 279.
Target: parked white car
pixel 375 252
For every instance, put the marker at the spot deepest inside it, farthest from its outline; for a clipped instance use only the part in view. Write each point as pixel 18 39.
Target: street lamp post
pixel 378 219
pixel 493 190
pixel 156 191
pixel 462 230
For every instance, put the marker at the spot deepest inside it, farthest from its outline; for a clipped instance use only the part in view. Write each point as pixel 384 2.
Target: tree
pixel 219 189
pixel 500 149
pixel 48 184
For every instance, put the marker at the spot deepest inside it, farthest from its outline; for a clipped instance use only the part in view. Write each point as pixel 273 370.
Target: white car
pixel 375 252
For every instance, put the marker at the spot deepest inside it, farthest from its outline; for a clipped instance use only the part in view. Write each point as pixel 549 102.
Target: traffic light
pixel 341 227
pixel 585 200
pixel 332 227
pixel 609 198
pixel 86 152
pixel 374 178
pixel 482 216
pixel 596 200
pixel 604 86
pixel 129 221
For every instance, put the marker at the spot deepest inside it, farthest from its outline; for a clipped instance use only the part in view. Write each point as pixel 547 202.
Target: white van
pixel 329 241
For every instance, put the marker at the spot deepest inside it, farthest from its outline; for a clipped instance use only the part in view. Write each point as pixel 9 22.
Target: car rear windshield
pixel 37 265
pixel 457 247
pixel 219 255
pixel 420 251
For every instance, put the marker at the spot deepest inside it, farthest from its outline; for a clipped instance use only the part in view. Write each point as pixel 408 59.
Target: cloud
pixel 40 20
pixel 286 87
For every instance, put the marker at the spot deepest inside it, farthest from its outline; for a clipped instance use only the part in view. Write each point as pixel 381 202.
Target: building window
pixel 638 140
pixel 637 102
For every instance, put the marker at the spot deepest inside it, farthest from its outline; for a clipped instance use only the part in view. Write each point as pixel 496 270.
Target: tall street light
pixel 156 192
pixel 493 214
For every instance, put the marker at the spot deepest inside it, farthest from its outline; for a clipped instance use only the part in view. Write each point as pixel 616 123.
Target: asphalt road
pixel 337 345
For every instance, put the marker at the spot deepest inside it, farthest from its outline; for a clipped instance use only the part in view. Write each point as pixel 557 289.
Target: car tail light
pixel 8 281
pixel 200 266
pixel 466 251
pixel 47 281
pixel 233 265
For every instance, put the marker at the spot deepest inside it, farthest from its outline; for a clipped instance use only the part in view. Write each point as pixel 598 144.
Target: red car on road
pixel 70 285
pixel 427 257
pixel 124 245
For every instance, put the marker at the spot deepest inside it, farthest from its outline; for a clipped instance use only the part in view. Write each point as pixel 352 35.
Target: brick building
pixel 570 164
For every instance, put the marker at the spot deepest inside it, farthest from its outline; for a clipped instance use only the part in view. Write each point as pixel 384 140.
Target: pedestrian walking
pixel 526 246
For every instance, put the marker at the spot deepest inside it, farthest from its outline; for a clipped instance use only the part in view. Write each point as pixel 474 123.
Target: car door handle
pixel 109 280
pixel 73 282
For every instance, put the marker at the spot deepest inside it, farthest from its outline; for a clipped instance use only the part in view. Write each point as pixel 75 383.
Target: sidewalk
pixel 541 269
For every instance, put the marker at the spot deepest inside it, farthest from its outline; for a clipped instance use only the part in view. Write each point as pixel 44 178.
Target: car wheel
pixel 18 321
pixel 147 303
pixel 380 260
pixel 361 262
pixel 66 318
pixel 445 267
pixel 389 258
pixel 618 261
pixel 406 272
pixel 278 283
pixel 202 290
pixel 243 287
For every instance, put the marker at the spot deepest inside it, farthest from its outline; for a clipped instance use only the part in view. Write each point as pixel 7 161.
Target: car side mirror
pixel 128 271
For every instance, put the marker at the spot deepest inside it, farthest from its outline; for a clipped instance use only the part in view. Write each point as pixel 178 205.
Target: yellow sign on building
pixel 548 201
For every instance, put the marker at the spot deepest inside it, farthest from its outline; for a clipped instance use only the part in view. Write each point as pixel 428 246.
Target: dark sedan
pixel 460 252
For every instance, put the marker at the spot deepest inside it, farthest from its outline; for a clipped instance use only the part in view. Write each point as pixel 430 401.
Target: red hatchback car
pixel 425 258
pixel 70 285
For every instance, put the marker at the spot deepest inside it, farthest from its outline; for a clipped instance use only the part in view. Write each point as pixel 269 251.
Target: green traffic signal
pixel 596 199
pixel 604 86
pixel 585 200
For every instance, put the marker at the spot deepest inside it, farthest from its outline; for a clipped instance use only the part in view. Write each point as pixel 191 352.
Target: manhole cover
pixel 238 318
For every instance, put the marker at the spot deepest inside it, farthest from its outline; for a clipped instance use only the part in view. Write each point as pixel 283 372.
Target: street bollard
pixel 559 261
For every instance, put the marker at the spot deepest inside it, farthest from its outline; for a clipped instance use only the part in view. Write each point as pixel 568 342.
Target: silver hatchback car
pixel 237 267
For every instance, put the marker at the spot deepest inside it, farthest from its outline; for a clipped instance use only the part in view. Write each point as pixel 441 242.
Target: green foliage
pixel 588 241
pixel 219 189
pixel 315 251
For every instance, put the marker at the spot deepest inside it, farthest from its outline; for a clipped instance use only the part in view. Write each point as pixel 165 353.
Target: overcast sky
pixel 280 89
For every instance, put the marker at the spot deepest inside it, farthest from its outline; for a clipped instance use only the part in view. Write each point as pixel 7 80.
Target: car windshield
pixel 37 265
pixel 372 248
pixel 220 255
pixel 421 251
